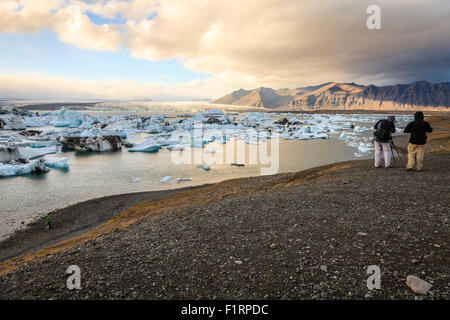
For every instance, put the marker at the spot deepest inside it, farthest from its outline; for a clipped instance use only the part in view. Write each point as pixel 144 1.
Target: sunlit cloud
pixel 273 43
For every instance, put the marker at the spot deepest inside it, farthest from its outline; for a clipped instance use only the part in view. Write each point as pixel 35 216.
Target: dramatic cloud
pixel 67 20
pixel 276 43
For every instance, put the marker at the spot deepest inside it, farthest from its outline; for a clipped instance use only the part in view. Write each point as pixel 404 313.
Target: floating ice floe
pixel 212 112
pixel 148 146
pixel 183 179
pixel 135 180
pixel 11 122
pixel 96 143
pixel 58 163
pixel 165 179
pixel 13 152
pixel 175 147
pixel 40 144
pixel 17 168
pixel 363 149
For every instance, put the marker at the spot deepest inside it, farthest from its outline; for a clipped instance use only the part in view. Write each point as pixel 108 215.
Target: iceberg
pixel 148 146
pixel 13 152
pixel 39 144
pixel 212 112
pixel 17 168
pixel 11 122
pixel 155 129
pixel 165 179
pixel 58 163
pixel 37 121
pixel 175 147
pixel 293 120
pixel 96 143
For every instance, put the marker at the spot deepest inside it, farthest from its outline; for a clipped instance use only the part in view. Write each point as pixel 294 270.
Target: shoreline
pixel 75 220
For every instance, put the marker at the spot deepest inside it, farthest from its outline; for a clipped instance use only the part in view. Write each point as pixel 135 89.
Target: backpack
pixel 384 130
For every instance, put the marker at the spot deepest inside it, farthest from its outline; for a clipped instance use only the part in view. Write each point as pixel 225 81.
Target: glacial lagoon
pixel 306 141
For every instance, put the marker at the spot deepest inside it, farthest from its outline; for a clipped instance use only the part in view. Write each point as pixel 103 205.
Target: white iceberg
pixel 15 168
pixel 148 146
pixel 212 112
pixel 58 163
pixel 11 152
pixel 165 179
pixel 11 122
pixel 96 143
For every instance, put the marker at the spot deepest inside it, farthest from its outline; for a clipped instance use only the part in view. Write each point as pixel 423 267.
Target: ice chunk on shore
pixel 165 179
pixel 183 179
pixel 135 180
pixel 204 167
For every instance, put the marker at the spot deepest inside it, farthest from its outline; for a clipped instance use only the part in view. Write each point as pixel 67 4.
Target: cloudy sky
pixel 192 49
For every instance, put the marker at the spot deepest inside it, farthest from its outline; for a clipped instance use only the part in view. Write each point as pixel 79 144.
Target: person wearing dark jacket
pixel 416 147
pixel 382 135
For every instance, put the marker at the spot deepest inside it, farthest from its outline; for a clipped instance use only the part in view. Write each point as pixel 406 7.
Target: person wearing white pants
pixel 386 148
pixel 382 137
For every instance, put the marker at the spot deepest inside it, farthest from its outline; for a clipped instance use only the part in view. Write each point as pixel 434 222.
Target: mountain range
pixel 346 96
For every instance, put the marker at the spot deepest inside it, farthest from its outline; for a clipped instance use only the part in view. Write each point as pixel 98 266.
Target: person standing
pixel 382 136
pixel 49 221
pixel 416 147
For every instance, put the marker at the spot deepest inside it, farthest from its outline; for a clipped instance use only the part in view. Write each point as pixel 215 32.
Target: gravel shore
pixel 308 235
pixel 73 221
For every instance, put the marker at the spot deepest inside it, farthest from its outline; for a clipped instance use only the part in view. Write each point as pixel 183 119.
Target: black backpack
pixel 384 130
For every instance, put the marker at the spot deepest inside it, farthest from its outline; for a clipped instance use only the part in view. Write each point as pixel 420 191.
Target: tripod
pixel 393 155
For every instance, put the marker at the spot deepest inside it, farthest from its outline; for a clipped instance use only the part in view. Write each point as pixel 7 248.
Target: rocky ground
pixel 308 235
pixel 73 221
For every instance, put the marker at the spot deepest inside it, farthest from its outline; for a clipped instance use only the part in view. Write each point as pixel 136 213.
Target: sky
pixel 203 49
